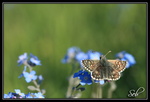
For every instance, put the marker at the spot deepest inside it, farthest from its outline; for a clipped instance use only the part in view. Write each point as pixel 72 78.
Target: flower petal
pixel 32 72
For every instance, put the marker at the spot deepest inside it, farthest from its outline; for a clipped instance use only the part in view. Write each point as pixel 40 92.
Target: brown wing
pixel 105 73
pixel 90 65
pixel 101 72
pixel 118 65
pixel 110 71
pixel 98 73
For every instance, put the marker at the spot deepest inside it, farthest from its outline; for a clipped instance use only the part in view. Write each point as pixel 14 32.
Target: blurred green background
pixel 48 30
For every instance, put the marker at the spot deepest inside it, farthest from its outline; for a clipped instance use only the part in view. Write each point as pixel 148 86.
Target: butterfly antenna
pixel 107 53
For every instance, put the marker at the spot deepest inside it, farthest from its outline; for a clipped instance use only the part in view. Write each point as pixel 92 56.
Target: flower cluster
pixel 71 53
pixel 33 60
pixel 30 76
pixel 75 54
pixel 20 95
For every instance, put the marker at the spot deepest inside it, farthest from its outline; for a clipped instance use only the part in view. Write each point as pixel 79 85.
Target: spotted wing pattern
pixel 118 65
pixel 101 71
pixel 90 65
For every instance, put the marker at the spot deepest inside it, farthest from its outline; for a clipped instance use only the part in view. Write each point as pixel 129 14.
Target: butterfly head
pixel 103 57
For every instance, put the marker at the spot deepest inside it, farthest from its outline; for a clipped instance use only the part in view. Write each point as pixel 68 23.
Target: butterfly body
pixel 103 62
pixel 104 69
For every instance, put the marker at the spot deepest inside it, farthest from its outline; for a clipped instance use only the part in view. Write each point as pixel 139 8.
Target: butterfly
pixel 104 69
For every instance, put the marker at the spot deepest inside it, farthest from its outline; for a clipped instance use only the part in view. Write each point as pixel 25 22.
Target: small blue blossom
pixel 86 79
pixel 38 95
pixel 6 96
pixel 40 79
pixel 124 56
pixel 19 92
pixel 78 73
pixel 65 59
pixel 71 53
pixel 22 59
pixel 30 76
pixel 93 55
pixel 9 95
pixel 21 75
pixel 101 81
pixel 81 56
pixel 29 95
pixel 34 60
pixel 84 76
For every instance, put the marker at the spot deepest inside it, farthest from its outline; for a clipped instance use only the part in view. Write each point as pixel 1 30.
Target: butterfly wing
pixel 95 67
pixel 118 65
pixel 104 71
pixel 98 73
pixel 109 70
pixel 90 65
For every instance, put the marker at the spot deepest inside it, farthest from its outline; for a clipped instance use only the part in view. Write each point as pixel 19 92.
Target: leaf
pixel 32 88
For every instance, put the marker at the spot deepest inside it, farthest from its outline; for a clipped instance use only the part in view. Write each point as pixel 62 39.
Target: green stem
pixel 111 89
pixel 99 91
pixel 73 67
pixel 78 85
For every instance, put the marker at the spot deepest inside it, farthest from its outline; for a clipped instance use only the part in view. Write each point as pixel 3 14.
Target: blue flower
pixel 101 81
pixel 29 95
pixel 34 95
pixel 81 56
pixel 78 73
pixel 71 53
pixel 34 60
pixel 30 76
pixel 12 95
pixel 40 79
pixel 84 76
pixel 22 59
pixel 9 95
pixel 65 59
pixel 38 95
pixel 93 55
pixel 124 56
pixel 19 92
